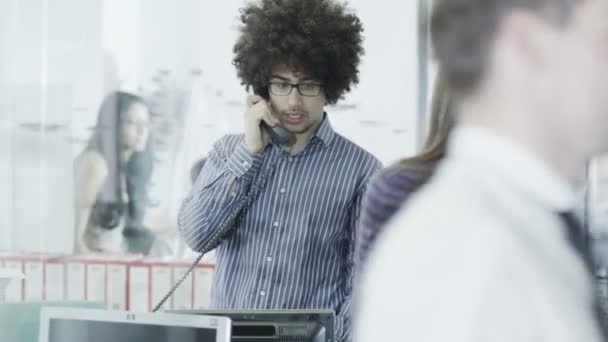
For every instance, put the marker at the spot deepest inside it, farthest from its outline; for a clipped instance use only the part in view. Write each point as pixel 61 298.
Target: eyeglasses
pixel 305 89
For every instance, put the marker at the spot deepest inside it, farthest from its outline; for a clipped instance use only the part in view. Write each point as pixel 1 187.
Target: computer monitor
pixel 276 325
pixel 82 325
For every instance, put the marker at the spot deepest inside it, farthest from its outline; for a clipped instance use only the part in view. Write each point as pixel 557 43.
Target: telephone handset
pixel 279 134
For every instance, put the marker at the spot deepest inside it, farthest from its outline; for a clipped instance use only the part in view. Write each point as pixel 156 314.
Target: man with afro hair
pixel 293 245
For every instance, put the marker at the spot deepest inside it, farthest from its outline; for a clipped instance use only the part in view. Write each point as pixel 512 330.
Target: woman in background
pixel 112 176
pixel 391 187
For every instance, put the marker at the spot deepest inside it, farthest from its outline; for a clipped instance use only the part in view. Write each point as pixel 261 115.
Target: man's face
pixel 577 70
pixel 296 112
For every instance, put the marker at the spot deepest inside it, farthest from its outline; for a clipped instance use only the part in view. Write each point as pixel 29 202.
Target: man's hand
pixel 258 111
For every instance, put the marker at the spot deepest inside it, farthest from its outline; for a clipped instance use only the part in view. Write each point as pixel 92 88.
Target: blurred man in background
pixel 489 251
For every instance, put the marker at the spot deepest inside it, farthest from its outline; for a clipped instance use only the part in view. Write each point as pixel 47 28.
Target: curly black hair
pixel 321 37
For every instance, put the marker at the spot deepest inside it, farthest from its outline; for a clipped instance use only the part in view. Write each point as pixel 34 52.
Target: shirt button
pixel 283 190
pixel 290 159
pixel 262 293
pixel 269 259
pixel 245 163
pixel 276 224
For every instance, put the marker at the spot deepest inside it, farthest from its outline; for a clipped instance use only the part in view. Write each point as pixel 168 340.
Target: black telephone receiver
pixel 279 134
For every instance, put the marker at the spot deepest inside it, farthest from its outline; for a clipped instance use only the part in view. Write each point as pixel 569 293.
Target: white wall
pixel 6 175
pixel 385 121
pixel 7 20
pixel 53 82
pixel 120 35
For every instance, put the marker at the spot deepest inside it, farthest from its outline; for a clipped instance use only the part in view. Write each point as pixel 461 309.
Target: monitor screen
pixel 117 326
pixel 69 330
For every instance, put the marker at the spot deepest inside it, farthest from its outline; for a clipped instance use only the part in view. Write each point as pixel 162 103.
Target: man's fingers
pixel 252 100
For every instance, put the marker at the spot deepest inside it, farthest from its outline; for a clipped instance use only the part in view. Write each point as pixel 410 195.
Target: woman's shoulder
pixel 92 163
pixel 401 175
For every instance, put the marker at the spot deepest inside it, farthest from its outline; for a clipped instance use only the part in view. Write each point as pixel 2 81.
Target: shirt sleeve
pixel 223 183
pixel 388 190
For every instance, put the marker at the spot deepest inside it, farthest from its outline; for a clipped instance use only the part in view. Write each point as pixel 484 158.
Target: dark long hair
pixel 441 122
pixel 107 140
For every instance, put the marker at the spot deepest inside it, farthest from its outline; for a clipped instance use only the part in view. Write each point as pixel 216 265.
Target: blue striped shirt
pixel 294 247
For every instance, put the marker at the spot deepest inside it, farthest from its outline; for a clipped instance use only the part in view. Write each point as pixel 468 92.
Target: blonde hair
pixel 441 121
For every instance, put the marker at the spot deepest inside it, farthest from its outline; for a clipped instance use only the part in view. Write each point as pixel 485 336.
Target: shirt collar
pixel 512 162
pixel 325 132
